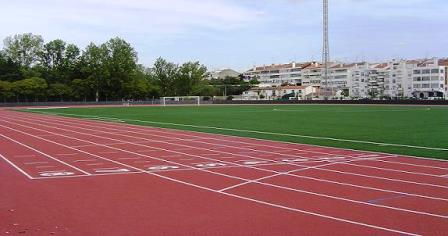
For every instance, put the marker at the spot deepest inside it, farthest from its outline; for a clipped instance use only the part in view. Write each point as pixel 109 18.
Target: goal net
pixel 181 100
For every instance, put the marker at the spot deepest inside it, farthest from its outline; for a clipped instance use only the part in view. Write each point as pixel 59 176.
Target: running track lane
pixel 285 198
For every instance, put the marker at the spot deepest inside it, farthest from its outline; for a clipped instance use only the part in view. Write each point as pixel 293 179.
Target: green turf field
pixel 412 130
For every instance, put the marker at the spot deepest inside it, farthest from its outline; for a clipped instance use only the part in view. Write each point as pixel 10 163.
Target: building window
pixel 435 71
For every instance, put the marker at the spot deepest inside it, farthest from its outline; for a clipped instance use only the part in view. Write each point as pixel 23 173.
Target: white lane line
pixel 392 170
pixel 36 162
pixel 113 152
pixel 129 158
pixel 117 140
pixel 280 186
pixel 42 153
pixel 269 204
pixel 382 178
pixel 23 156
pixel 95 164
pixel 145 150
pixel 16 167
pixel 67 154
pixel 88 176
pixel 283 173
pixel 63 116
pixel 241 153
pixel 276 134
pixel 418 183
pixel 221 145
pixel 418 165
pixel 366 187
pixel 262 183
pixel 396 180
pixel 152 140
pixel 83 160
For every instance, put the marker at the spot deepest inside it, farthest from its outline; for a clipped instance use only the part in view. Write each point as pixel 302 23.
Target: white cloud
pixel 99 19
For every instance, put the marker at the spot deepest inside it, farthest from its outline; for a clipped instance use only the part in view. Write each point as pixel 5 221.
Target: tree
pixel 95 67
pixel 164 74
pixel 121 62
pixel 6 90
pixel 23 49
pixel 82 89
pixel 53 54
pixel 59 61
pixel 34 87
pixel 9 70
pixel 59 90
pixel 190 79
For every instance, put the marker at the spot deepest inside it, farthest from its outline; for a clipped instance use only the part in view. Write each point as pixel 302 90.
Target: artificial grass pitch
pixel 411 130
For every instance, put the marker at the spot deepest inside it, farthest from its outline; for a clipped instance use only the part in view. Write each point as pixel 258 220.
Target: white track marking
pixel 282 173
pixel 210 165
pixel 396 180
pixel 23 156
pixel 183 145
pixel 226 146
pixel 83 160
pixel 366 187
pixel 129 158
pixel 251 162
pixel 269 133
pixel 107 152
pixel 262 183
pixel 16 167
pixel 55 173
pixel 393 170
pixel 89 176
pixel 36 162
pixel 271 204
pixel 382 178
pixel 90 145
pixel 163 167
pixel 418 183
pixel 418 165
pixel 104 145
pixel 211 159
pixel 44 154
pixel 284 154
pixel 68 154
pixel 221 146
pixel 323 158
pixel 95 164
pixel 111 170
pixel 295 160
pixel 65 116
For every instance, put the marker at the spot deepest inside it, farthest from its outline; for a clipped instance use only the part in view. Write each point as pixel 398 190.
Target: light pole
pixel 326 48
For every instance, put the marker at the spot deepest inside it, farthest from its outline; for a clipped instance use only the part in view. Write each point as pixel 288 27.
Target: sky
pixel 239 34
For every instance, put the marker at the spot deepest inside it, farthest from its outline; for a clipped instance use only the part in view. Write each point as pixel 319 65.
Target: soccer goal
pixel 181 100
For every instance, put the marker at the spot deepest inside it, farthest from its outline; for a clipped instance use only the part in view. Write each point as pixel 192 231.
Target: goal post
pixel 181 100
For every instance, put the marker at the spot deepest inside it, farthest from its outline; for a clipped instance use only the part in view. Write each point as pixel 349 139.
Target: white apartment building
pixel 429 79
pixel 423 79
pixel 270 93
pixel 276 75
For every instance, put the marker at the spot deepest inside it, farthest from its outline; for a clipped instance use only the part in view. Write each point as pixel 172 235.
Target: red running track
pixel 69 176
